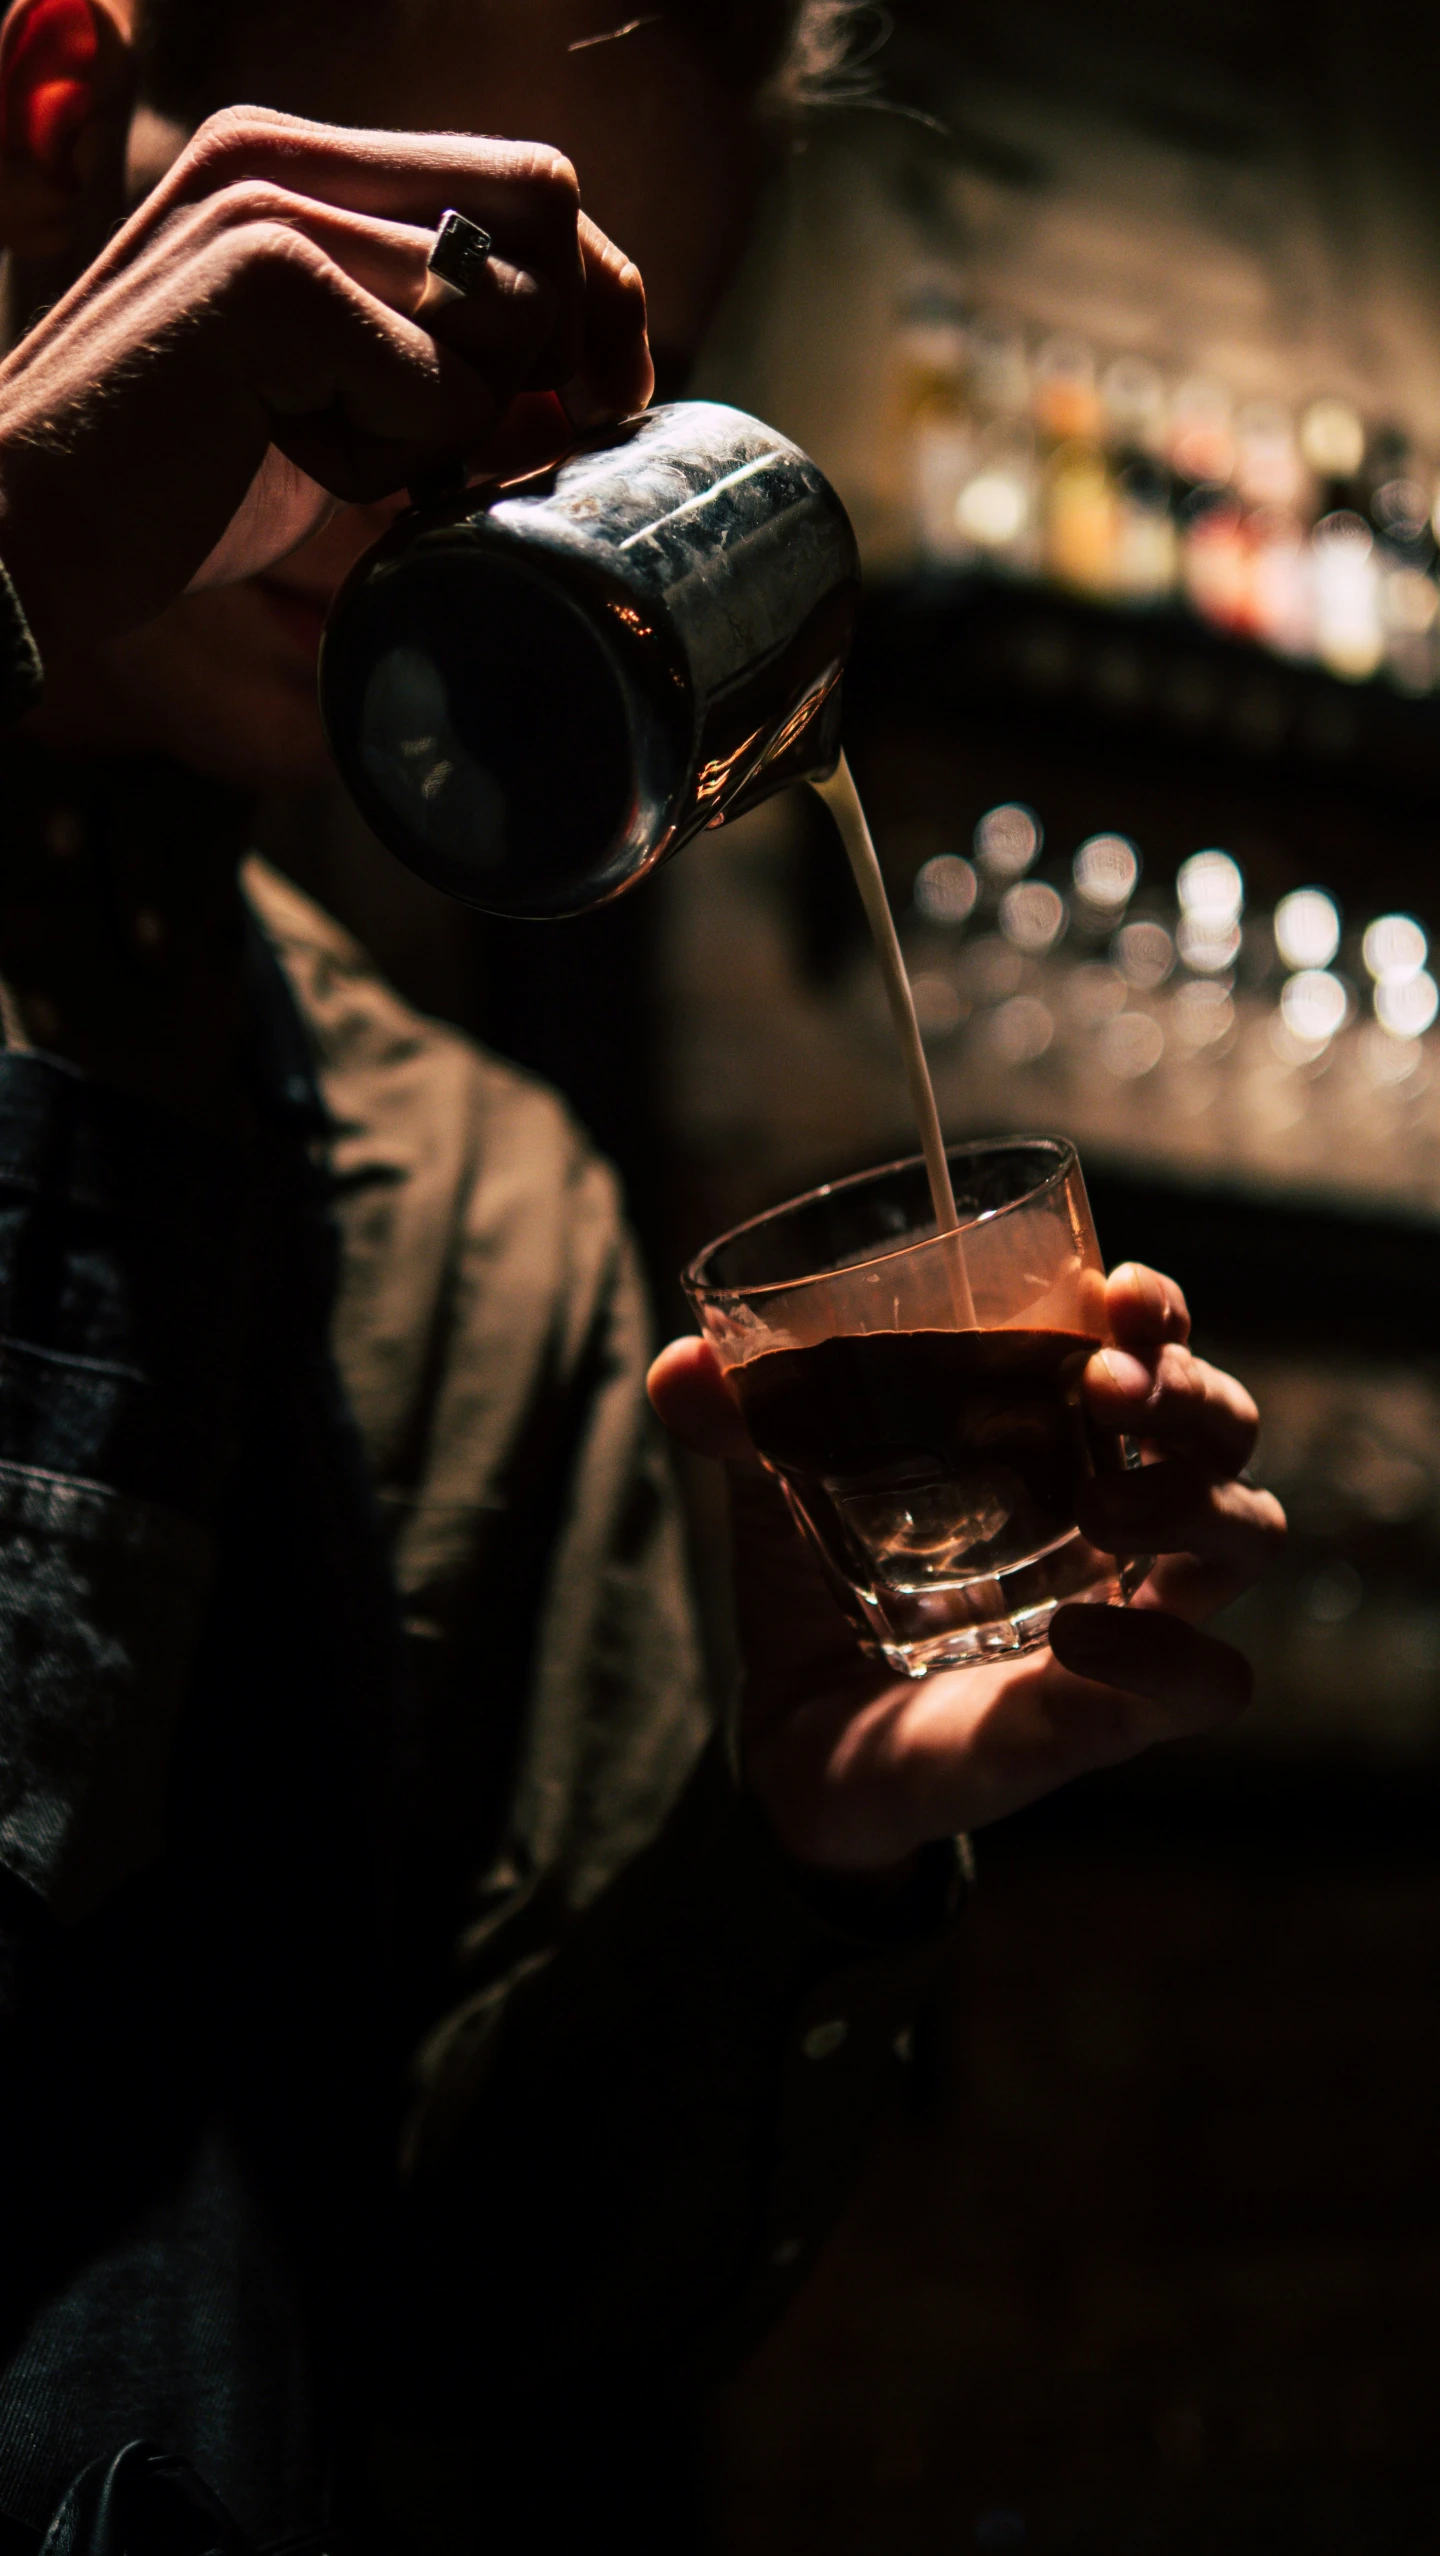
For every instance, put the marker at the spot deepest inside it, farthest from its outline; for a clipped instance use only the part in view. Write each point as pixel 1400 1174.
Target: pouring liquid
pixel 843 800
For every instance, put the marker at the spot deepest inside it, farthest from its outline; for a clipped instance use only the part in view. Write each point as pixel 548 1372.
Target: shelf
pixel 940 645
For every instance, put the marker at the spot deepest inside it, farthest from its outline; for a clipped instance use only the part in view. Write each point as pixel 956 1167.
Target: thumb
pixel 281 508
pixel 688 1392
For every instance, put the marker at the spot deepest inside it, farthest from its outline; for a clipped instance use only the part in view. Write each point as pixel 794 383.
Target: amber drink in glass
pixel 918 1393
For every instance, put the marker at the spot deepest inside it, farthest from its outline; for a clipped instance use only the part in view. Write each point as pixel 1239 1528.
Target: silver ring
pixel 456 264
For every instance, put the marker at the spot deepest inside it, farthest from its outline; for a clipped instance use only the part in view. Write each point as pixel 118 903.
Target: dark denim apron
pixel 198 1727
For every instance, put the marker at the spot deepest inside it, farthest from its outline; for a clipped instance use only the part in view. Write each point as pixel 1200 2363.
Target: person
pixel 428 2045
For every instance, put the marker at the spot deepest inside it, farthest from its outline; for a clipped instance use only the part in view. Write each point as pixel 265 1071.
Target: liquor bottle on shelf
pixel 930 355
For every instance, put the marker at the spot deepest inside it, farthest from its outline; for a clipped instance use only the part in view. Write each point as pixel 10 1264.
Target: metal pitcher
pixel 537 692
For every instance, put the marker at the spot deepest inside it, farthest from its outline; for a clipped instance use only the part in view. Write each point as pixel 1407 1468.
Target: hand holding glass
pixel 918 1394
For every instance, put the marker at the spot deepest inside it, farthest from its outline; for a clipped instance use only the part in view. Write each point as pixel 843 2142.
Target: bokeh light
pixel 1106 870
pixel 1346 584
pixel 1131 1045
pixel 1307 928
pixel 1094 993
pixel 937 1005
pixel 1390 1061
pixel 1206 944
pixel 1332 438
pixel 1203 1013
pixel 992 508
pixel 946 889
pixel 1144 954
pixel 1394 948
pixel 1313 1005
pixel 1210 887
pixel 1407 1010
pixel 1008 840
pixel 1021 1030
pixel 1401 508
pixel 1032 917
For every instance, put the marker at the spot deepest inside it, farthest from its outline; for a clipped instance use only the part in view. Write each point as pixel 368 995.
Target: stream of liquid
pixel 843 800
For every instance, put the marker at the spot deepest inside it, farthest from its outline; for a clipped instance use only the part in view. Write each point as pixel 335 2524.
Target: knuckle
pixel 250 200
pixel 558 180
pixel 630 284
pixel 1176 1312
pixel 272 257
pixel 231 134
pixel 1179 1377
pixel 276 243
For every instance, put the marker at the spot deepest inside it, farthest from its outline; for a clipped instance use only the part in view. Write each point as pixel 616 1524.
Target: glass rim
pixel 702 1290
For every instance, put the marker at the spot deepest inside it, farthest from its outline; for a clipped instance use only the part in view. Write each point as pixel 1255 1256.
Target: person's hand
pixel 243 353
pixel 856 1768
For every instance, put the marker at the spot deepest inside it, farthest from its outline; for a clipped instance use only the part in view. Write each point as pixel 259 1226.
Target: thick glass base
pixel 964 1623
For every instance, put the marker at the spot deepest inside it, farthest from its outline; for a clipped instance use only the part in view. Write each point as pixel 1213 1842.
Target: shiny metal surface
pixel 536 693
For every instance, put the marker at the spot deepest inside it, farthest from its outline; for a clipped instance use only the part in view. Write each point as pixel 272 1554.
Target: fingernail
pixel 1145 1284
pixel 1130 1376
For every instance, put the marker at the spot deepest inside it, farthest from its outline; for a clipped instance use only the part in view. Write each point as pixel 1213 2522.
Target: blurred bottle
pixel 1270 469
pixel 1282 585
pixel 1136 411
pixel 1065 394
pixel 1216 557
pixel 1410 621
pixel 1312 535
pixel 996 515
pixel 1146 537
pixel 1348 636
pixel 930 352
pixel 1200 435
pixel 997 373
pixel 1332 442
pixel 1082 520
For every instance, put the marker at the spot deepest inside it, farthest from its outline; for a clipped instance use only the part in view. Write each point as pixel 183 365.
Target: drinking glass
pixel 918 1393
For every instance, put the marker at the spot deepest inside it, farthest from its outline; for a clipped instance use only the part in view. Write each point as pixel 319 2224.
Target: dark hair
pixel 794 52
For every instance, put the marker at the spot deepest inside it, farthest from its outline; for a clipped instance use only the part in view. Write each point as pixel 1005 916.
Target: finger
pixel 688 1392
pixel 595 341
pixel 1144 1308
pixel 525 194
pixel 1193 1589
pixel 1195 1680
pixel 1174 1400
pixel 282 508
pixel 357 395
pixel 615 377
pixel 1172 1508
pixel 501 324
pixel 534 431
pixel 388 258
pixel 856 1776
